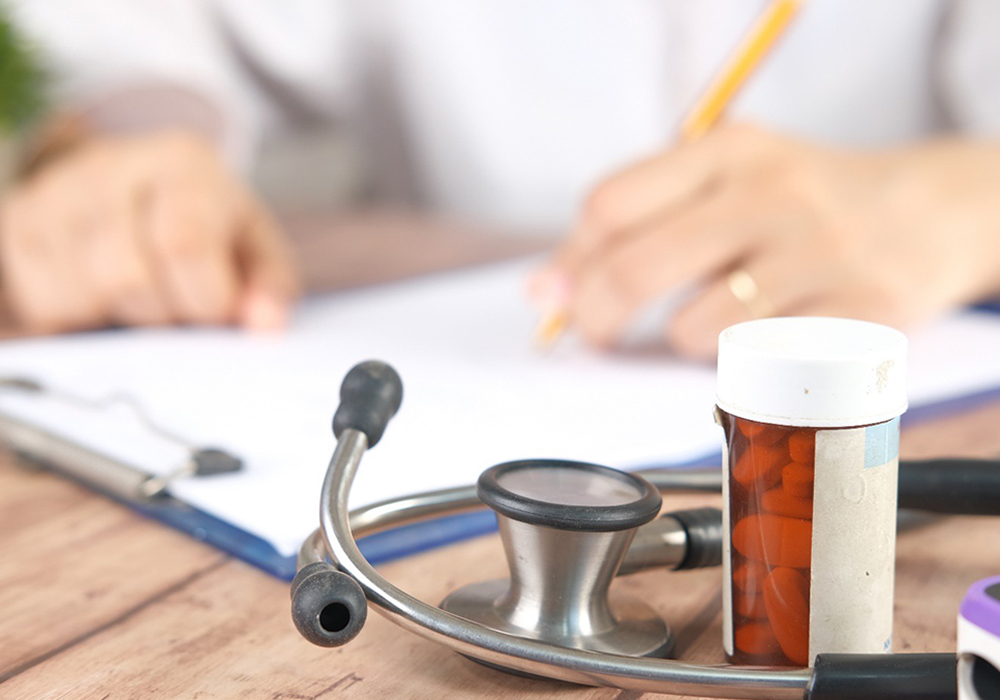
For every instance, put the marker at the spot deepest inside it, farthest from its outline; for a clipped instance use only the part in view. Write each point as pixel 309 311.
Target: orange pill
pixel 797 479
pixel 780 502
pixel 751 606
pixel 761 433
pixel 756 639
pixel 749 576
pixel 786 596
pixel 759 467
pixel 802 446
pixel 776 540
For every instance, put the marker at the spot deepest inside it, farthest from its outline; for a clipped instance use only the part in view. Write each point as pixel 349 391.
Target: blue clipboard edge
pixel 421 537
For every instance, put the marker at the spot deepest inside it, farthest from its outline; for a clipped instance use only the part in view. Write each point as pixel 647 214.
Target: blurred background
pixel 557 120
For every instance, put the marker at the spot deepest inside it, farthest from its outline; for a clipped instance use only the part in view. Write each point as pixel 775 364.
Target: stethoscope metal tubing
pixel 487 645
pixel 394 513
pixel 704 480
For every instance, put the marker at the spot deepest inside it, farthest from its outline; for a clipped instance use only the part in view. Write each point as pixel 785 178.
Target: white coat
pixel 508 111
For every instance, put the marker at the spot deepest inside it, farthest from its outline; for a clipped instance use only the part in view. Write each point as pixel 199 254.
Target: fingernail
pixel 549 288
pixel 264 313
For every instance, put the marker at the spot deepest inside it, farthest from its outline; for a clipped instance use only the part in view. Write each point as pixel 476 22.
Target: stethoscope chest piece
pixel 566 527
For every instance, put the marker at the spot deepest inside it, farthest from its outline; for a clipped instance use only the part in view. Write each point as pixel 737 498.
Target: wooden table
pixel 99 603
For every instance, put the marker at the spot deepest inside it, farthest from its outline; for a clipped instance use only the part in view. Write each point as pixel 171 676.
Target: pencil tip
pixel 550 329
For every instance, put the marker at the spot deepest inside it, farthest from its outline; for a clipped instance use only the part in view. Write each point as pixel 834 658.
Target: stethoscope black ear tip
pixel 328 606
pixel 370 395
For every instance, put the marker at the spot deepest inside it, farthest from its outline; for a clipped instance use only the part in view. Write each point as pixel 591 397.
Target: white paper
pixel 477 392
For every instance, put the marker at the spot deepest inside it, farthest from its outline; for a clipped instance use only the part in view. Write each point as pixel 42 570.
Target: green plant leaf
pixel 22 80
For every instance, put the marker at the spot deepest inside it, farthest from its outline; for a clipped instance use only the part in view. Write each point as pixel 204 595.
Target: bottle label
pixel 854 538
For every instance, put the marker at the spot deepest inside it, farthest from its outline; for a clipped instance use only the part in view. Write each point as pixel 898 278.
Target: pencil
pixel 707 111
pixel 720 93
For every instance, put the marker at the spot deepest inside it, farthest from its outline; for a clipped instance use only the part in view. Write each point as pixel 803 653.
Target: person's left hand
pixel 889 236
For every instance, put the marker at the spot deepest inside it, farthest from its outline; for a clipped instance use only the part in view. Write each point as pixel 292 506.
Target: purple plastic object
pixel 981 605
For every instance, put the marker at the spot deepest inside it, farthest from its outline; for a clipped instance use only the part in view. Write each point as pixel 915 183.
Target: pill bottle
pixel 810 408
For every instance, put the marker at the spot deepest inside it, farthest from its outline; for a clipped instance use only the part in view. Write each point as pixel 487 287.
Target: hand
pixel 892 236
pixel 141 231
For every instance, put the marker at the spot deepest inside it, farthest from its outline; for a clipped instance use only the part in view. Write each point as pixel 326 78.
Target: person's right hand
pixel 142 230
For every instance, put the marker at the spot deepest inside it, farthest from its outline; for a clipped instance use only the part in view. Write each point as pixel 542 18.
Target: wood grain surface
pixel 99 603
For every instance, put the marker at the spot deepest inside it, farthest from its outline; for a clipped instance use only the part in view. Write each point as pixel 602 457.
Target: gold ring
pixel 748 292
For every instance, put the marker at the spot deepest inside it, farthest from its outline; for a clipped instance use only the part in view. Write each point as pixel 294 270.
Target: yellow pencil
pixel 764 34
pixel 759 40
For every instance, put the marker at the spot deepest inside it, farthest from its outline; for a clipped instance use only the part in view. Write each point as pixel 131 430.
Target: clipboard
pixel 42 449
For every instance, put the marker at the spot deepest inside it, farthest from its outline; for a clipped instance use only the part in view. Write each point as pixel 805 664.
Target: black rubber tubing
pixel 884 677
pixel 956 486
pixel 703 527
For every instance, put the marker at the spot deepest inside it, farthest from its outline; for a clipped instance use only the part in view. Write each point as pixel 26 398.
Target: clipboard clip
pixel 47 449
pixel 207 461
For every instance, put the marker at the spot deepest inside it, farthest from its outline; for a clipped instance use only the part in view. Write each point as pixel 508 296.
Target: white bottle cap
pixel 818 372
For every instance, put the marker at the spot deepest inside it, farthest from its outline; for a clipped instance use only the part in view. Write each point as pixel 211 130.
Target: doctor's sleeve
pixel 214 66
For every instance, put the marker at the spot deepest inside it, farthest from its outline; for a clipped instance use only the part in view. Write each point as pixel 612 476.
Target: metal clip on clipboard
pixel 42 447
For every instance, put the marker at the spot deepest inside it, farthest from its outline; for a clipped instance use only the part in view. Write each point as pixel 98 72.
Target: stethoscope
pixel 556 617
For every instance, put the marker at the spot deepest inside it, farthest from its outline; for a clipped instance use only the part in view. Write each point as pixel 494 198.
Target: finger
pixel 784 275
pixel 42 281
pixel 654 188
pixel 688 247
pixel 864 302
pixel 30 293
pixel 191 242
pixel 549 288
pixel 120 268
pixel 268 272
